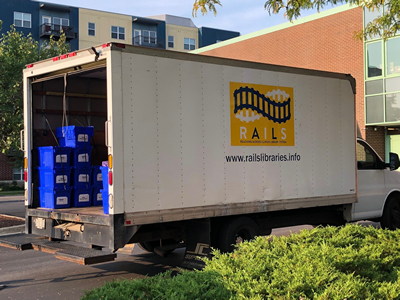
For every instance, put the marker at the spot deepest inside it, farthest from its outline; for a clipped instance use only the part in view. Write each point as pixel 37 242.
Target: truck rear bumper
pixel 87 225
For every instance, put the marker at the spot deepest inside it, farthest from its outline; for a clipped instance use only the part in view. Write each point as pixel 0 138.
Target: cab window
pixel 366 158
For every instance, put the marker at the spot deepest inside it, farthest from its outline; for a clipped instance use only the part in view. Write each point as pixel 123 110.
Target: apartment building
pixel 87 27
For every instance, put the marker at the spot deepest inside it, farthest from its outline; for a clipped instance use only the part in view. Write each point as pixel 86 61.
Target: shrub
pixel 352 262
pixel 16 188
pixel 185 285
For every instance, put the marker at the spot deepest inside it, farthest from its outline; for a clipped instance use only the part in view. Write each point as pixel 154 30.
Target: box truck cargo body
pixel 201 150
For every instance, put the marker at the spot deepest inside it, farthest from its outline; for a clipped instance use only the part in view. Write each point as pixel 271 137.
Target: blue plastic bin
pixel 55 177
pixel 81 177
pixel 81 156
pixel 97 176
pixel 97 196
pixel 104 175
pixel 54 198
pixel 74 136
pixel 81 197
pixel 54 157
pixel 106 208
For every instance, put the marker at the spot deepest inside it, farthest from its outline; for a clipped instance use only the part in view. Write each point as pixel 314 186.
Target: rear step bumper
pixel 63 251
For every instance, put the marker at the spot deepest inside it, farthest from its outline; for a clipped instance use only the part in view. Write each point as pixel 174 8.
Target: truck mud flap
pixel 197 244
pixel 63 251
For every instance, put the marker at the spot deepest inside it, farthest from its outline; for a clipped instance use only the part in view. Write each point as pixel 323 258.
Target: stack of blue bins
pixel 78 139
pixel 97 185
pixel 54 177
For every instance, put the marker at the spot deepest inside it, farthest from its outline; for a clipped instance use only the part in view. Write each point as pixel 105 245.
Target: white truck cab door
pixel 371 184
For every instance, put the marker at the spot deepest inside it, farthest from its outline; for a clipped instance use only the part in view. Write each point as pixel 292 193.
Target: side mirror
pixel 394 161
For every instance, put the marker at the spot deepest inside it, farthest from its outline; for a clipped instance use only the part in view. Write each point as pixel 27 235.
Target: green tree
pixel 16 51
pixel 386 25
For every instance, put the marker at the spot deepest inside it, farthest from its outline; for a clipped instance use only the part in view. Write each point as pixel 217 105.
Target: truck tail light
pixel 110 161
pixel 26 169
pixel 110 178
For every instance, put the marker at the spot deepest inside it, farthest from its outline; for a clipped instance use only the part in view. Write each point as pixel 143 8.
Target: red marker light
pixel 72 54
pixel 110 179
pixel 128 222
pixel 63 56
pixel 56 58
pixel 29 66
pixel 120 45
pixel 26 176
pixel 105 45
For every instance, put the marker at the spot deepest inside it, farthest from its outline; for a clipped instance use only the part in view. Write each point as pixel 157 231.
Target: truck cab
pixel 378 187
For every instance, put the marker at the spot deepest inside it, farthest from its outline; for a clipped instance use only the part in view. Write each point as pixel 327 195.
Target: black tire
pixel 391 214
pixel 235 231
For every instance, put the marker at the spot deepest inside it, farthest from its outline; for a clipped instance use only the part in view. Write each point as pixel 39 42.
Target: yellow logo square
pixel 261 115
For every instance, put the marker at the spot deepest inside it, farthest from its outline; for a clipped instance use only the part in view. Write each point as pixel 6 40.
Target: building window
pixel 374 109
pixel 117 32
pixel 382 88
pixel 91 29
pixel 369 16
pixel 22 20
pixel 136 37
pixel 59 23
pixel 149 37
pixel 18 174
pixel 392 106
pixel 374 59
pixel 46 20
pixel 170 41
pixel 392 56
pixel 189 44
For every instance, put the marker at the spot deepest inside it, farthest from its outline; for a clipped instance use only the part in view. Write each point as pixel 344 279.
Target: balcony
pixel 48 29
pixel 146 41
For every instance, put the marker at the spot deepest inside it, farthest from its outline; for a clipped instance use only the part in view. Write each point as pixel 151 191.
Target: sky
pixel 244 16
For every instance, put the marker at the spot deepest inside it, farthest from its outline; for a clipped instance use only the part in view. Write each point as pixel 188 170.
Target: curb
pixel 12 217
pixel 12 198
pixel 12 230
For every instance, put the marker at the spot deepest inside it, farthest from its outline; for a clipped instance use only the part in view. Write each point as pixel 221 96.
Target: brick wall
pixel 376 138
pixel 6 168
pixel 324 44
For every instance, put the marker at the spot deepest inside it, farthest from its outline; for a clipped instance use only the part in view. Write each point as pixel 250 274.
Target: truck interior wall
pixel 86 105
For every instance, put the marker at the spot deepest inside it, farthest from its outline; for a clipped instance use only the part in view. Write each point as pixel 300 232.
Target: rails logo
pixel 261 115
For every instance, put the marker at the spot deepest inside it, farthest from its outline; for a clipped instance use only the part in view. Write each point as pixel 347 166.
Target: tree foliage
pixel 205 6
pixel 16 51
pixel 386 25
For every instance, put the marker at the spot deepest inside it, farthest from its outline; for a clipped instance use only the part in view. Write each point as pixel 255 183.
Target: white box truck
pixel 202 152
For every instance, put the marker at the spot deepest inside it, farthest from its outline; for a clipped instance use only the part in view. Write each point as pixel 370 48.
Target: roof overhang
pixel 147 21
pixel 51 6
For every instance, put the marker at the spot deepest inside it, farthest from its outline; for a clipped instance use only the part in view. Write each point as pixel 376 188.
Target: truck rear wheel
pixel 236 231
pixel 391 214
